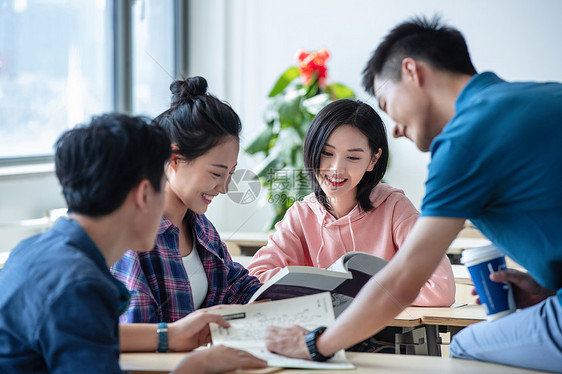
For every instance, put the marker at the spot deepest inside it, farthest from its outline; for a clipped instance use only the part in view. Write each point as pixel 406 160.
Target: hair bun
pixel 186 90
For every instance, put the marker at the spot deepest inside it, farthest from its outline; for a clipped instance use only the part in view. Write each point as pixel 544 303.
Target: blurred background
pixel 62 61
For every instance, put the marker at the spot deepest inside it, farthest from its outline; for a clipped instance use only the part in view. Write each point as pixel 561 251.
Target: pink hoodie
pixel 309 235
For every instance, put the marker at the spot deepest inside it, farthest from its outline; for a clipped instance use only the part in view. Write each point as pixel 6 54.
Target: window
pixel 55 70
pixel 62 61
pixel 153 56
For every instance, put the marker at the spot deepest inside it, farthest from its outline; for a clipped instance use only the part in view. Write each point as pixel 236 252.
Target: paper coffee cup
pixel 496 297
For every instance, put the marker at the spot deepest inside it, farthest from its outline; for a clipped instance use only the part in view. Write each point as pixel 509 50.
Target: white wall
pixel 241 47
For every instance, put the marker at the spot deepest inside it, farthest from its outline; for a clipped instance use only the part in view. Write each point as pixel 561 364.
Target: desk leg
pixel 433 340
pixel 423 340
pixel 454 329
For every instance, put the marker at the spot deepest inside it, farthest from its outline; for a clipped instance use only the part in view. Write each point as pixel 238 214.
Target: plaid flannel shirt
pixel 158 283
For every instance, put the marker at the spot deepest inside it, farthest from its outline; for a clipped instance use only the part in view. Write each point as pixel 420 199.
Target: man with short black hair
pixel 59 305
pixel 496 160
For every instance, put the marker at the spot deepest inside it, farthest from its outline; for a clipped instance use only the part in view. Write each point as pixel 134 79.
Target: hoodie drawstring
pixel 351 231
pixel 321 237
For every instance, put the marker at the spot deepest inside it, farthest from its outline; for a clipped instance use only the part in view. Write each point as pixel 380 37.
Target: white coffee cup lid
pixel 474 256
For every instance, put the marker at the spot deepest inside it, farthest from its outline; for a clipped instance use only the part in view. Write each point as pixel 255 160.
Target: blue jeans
pixel 530 338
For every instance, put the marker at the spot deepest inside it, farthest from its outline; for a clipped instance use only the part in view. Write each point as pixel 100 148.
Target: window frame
pixel 122 80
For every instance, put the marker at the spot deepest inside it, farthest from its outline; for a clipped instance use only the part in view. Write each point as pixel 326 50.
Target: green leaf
pixel 288 140
pixel 339 91
pixel 305 124
pixel 284 80
pixel 297 158
pixel 290 113
pixel 270 115
pixel 315 103
pixel 312 89
pixel 262 142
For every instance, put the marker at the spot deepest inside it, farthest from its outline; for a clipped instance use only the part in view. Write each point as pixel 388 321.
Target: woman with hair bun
pixel 189 267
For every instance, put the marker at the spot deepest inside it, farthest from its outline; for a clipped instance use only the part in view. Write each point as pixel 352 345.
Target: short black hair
pixel 429 40
pixel 364 118
pixel 98 164
pixel 196 120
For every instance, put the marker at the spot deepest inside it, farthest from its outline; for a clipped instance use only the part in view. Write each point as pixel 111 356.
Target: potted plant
pixel 297 96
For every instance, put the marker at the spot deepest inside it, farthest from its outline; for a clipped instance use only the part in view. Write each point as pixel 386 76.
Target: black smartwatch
pixel 310 339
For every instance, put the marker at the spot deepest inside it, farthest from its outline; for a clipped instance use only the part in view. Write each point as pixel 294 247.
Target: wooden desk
pixel 366 363
pixel 462 316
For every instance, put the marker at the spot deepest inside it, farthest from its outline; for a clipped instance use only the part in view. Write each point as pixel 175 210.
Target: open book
pixel 343 279
pixel 248 323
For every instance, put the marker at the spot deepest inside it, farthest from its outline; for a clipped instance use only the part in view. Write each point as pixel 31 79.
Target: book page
pixel 248 323
pixel 339 264
pixel 364 262
pixel 359 261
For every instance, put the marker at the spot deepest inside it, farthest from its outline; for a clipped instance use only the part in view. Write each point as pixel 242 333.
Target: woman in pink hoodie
pixel 346 154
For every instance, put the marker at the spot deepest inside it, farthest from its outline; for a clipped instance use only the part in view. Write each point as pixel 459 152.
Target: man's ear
pixel 374 160
pixel 411 71
pixel 141 195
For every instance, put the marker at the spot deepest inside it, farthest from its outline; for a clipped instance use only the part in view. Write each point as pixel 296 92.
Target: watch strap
pixel 162 331
pixel 310 339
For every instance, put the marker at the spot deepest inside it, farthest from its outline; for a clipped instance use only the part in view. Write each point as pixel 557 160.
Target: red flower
pixel 313 63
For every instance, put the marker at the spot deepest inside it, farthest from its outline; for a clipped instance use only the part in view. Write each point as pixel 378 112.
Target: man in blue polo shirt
pixel 496 159
pixel 59 305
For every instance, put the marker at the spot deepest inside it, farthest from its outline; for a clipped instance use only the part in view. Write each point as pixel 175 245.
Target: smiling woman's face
pixel 195 183
pixel 346 157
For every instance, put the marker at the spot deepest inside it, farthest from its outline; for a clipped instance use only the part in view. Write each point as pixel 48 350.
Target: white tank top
pixel 196 275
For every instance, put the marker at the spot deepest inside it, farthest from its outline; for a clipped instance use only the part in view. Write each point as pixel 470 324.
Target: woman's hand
pixel 193 331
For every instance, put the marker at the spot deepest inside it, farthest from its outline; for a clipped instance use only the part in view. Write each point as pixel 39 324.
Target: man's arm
pixel 384 296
